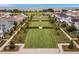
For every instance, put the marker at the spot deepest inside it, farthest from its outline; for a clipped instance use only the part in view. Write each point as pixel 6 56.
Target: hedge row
pixel 38 27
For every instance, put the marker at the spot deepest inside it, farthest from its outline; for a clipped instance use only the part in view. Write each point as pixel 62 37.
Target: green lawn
pixel 44 38
pixel 40 18
pixel 40 38
pixel 37 24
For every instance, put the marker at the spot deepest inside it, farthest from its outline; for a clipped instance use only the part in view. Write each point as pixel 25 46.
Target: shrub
pixel 52 21
pixel 11 32
pixel 15 23
pixel 15 27
pixel 71 28
pixel 24 20
pixel 71 45
pixel 21 23
pixel 57 28
pixel 57 32
pixel 12 45
pixel 63 24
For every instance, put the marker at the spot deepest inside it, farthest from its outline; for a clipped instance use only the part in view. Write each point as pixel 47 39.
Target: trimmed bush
pixel 12 45
pixel 71 45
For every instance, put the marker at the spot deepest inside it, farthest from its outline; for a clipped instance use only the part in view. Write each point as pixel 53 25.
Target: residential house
pixel 63 17
pixel 76 23
pixel 19 18
pixel 5 26
pixel 7 23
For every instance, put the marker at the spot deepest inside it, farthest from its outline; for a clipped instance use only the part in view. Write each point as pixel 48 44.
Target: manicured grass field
pixel 43 24
pixel 44 38
pixel 40 18
pixel 40 38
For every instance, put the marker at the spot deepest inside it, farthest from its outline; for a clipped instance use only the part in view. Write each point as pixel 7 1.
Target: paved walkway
pixel 35 51
pixel 60 47
pixel 41 51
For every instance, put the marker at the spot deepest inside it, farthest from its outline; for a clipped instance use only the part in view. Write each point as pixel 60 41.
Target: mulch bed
pixel 6 49
pixel 65 48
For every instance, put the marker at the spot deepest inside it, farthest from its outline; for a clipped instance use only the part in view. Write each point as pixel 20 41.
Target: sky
pixel 38 5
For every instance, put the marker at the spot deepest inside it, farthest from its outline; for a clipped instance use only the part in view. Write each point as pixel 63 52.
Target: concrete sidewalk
pixel 35 51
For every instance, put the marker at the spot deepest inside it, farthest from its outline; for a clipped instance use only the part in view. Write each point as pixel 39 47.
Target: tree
pixel 63 24
pixel 71 45
pixel 15 26
pixel 50 10
pixel 31 17
pixel 64 10
pixel 57 32
pixel 24 20
pixel 16 10
pixel 11 32
pixel 15 23
pixel 9 10
pixel 52 19
pixel 71 28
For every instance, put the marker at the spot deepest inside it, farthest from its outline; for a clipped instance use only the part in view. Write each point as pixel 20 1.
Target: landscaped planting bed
pixel 72 34
pixel 65 48
pixel 20 37
pixel 6 49
pixel 60 37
